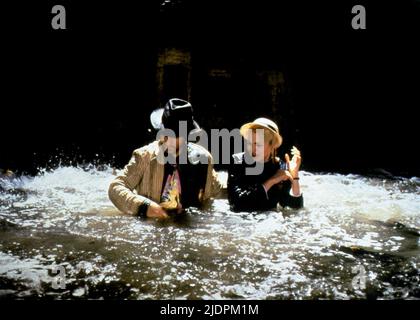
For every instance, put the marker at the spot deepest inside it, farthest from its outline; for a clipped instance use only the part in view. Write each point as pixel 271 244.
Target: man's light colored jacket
pixel 142 178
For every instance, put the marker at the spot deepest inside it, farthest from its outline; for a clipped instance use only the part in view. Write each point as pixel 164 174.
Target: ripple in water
pixel 63 218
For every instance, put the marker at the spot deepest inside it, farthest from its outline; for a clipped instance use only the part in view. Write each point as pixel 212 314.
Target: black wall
pixel 351 95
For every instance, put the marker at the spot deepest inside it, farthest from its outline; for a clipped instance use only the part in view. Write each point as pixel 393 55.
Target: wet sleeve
pixel 213 183
pixel 287 200
pixel 216 183
pixel 120 191
pixel 242 196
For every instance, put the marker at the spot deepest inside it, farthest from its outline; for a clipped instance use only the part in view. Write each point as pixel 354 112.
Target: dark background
pixel 85 94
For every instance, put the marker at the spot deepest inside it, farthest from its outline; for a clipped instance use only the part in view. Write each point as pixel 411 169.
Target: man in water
pixel 163 176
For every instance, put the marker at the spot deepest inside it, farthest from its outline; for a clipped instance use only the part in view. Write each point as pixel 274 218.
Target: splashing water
pixel 63 218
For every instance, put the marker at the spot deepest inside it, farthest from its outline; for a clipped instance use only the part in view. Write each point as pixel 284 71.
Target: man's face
pixel 174 144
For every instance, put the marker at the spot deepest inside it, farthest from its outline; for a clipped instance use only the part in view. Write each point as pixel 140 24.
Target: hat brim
pixel 251 125
pixel 156 118
pixel 156 121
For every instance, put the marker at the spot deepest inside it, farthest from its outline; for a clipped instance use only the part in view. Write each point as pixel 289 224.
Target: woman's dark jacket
pixel 246 192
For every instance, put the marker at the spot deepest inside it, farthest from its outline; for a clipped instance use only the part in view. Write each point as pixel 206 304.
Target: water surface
pixel 63 218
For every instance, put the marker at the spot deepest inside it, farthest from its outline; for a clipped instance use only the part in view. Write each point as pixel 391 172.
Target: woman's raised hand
pixel 294 164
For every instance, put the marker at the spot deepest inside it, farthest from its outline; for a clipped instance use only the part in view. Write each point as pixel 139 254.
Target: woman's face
pixel 259 149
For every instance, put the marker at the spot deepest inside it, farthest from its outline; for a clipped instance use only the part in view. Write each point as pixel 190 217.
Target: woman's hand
pixel 279 176
pixel 156 211
pixel 294 164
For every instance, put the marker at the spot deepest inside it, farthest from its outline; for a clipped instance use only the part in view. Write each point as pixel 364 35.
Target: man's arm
pixel 216 184
pixel 120 191
pixel 213 183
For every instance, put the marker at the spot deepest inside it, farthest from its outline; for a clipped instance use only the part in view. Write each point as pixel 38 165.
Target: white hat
pixel 265 124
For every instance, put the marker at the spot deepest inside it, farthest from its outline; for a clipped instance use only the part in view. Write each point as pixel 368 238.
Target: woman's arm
pixel 244 196
pixel 288 198
pixel 289 194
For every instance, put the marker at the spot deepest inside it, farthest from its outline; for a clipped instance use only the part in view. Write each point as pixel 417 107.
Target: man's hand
pixel 156 211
